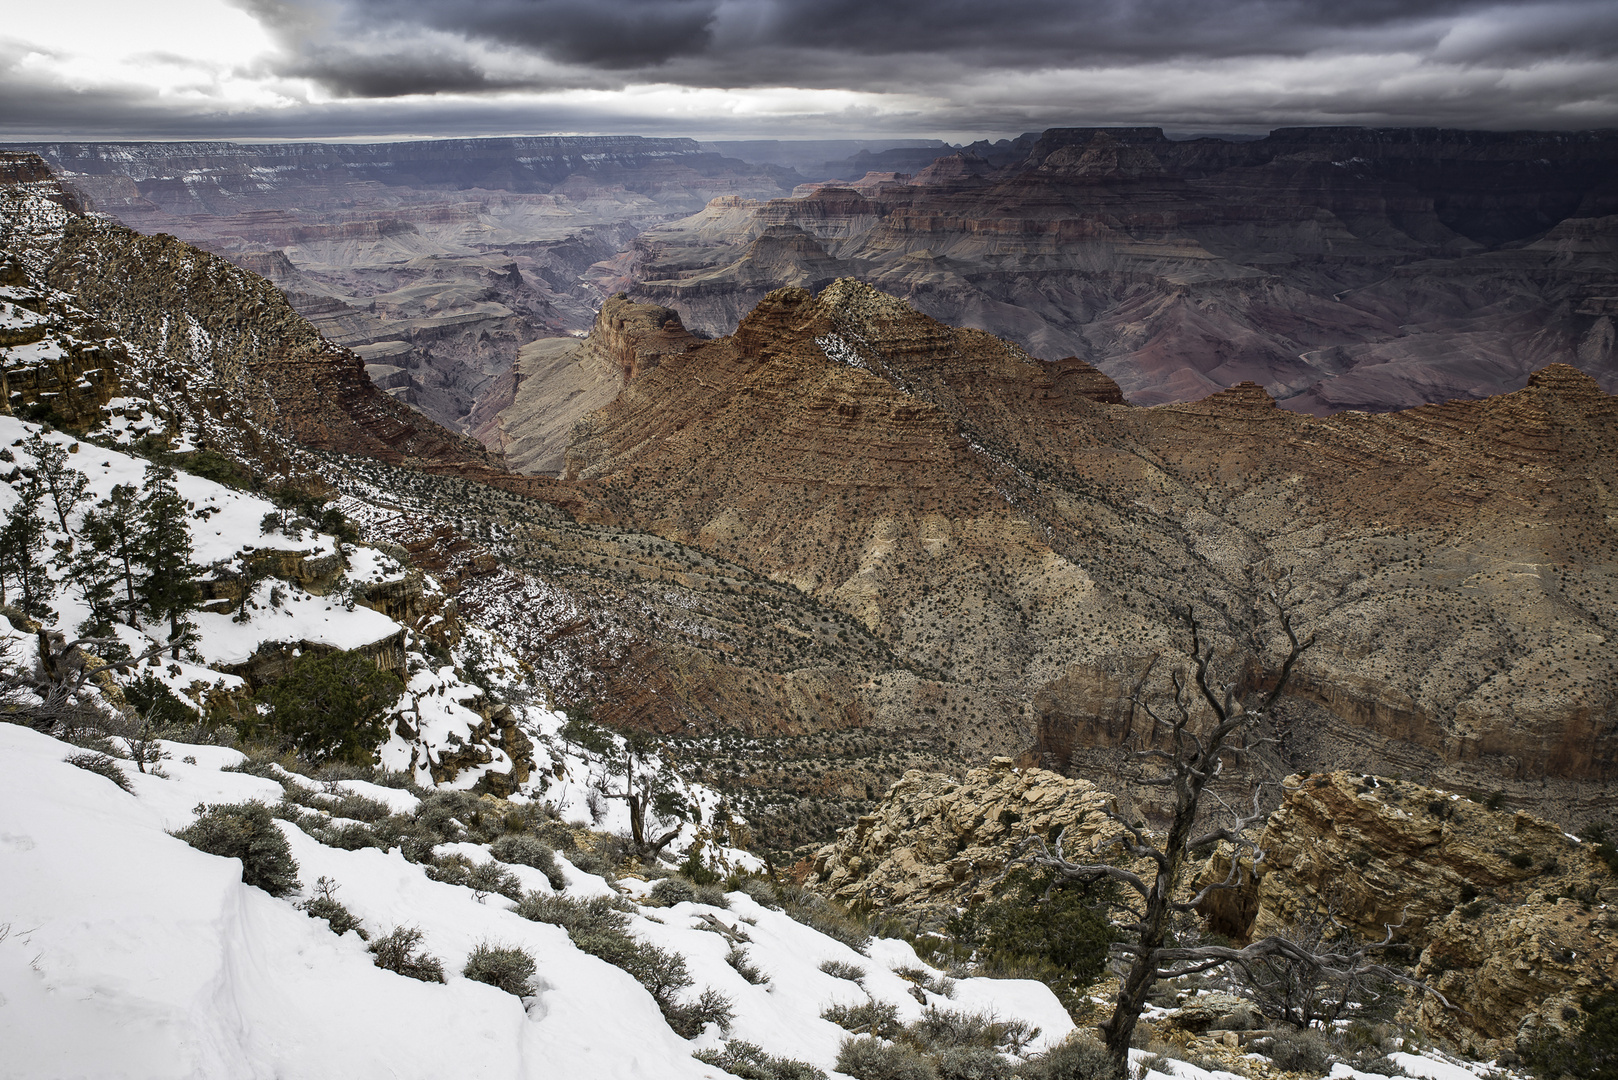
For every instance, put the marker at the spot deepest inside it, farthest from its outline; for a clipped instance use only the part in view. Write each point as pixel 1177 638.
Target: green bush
pixel 940 1029
pixel 101 765
pixel 338 917
pixel 837 969
pixel 1589 1051
pixel 503 967
pixel 673 890
pixel 597 926
pixel 157 704
pixel 246 831
pixel 749 1062
pixel 527 851
pixel 595 915
pixel 1032 930
pixel 972 1063
pixel 399 953
pixel 491 877
pixel 712 895
pixel 325 905
pixel 867 1018
pixel 1076 1059
pixel 737 958
pixel 760 890
pixel 1302 1050
pixel 871 1059
pixel 358 808
pixel 330 706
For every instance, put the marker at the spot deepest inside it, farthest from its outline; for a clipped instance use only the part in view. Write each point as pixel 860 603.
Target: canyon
pixel 860 540
pixel 434 261
pixel 1339 268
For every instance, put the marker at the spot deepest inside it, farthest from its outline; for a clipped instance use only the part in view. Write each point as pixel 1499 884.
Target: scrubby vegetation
pixel 1033 930
pixel 599 926
pixel 329 707
pixel 749 1062
pixel 1589 1051
pixel 400 952
pixel 246 831
pixel 504 967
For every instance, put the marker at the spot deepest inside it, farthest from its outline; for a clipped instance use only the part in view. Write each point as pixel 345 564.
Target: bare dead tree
pixel 54 694
pixel 1299 987
pixel 1191 758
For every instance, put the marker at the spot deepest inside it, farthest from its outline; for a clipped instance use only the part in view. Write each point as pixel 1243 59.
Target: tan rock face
pixel 1513 919
pixel 557 382
pixel 935 842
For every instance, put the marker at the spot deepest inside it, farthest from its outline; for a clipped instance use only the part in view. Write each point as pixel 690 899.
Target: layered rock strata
pixel 1022 540
pixel 1338 268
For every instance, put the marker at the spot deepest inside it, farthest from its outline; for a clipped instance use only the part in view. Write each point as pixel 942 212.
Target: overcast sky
pixel 947 69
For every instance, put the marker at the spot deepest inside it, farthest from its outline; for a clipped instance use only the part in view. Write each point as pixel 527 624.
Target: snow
pixel 300 617
pixel 127 953
pixel 1418 1065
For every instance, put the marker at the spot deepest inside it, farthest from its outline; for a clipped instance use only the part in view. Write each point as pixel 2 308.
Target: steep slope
pixel 1336 267
pixel 1019 537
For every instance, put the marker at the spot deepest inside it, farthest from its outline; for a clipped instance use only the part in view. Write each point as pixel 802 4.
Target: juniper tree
pixel 1192 757
pixel 22 544
pixel 332 707
pixel 66 486
pixel 111 532
pixel 169 590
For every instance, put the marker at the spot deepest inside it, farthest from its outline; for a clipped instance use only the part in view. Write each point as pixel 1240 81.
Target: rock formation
pixel 1513 919
pixel 933 844
pixel 1508 917
pixel 1339 268
pixel 1020 540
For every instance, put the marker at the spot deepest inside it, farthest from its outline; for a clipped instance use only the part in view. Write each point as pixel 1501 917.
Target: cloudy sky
pixel 953 69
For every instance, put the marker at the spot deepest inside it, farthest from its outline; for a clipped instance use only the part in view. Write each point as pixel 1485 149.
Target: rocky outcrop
pixel 557 382
pixel 1513 919
pixel 934 843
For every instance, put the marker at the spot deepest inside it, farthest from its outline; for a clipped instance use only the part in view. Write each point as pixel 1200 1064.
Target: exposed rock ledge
pixel 1504 913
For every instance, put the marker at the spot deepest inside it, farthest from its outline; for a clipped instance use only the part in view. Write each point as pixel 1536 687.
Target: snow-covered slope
pixel 128 953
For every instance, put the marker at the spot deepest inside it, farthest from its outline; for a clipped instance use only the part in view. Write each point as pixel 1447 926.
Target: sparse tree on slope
pixel 22 545
pixel 66 486
pixel 170 589
pixel 111 551
pixel 1191 759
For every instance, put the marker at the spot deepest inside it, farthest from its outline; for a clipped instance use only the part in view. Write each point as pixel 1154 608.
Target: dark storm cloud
pixel 887 67
pixel 387 75
pixel 887 45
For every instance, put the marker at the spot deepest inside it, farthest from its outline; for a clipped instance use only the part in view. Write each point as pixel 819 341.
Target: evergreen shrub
pixel 246 831
pixel 503 967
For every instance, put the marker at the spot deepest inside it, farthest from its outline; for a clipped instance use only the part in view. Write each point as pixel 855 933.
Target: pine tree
pixel 66 486
pixel 169 590
pixel 22 543
pixel 110 554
